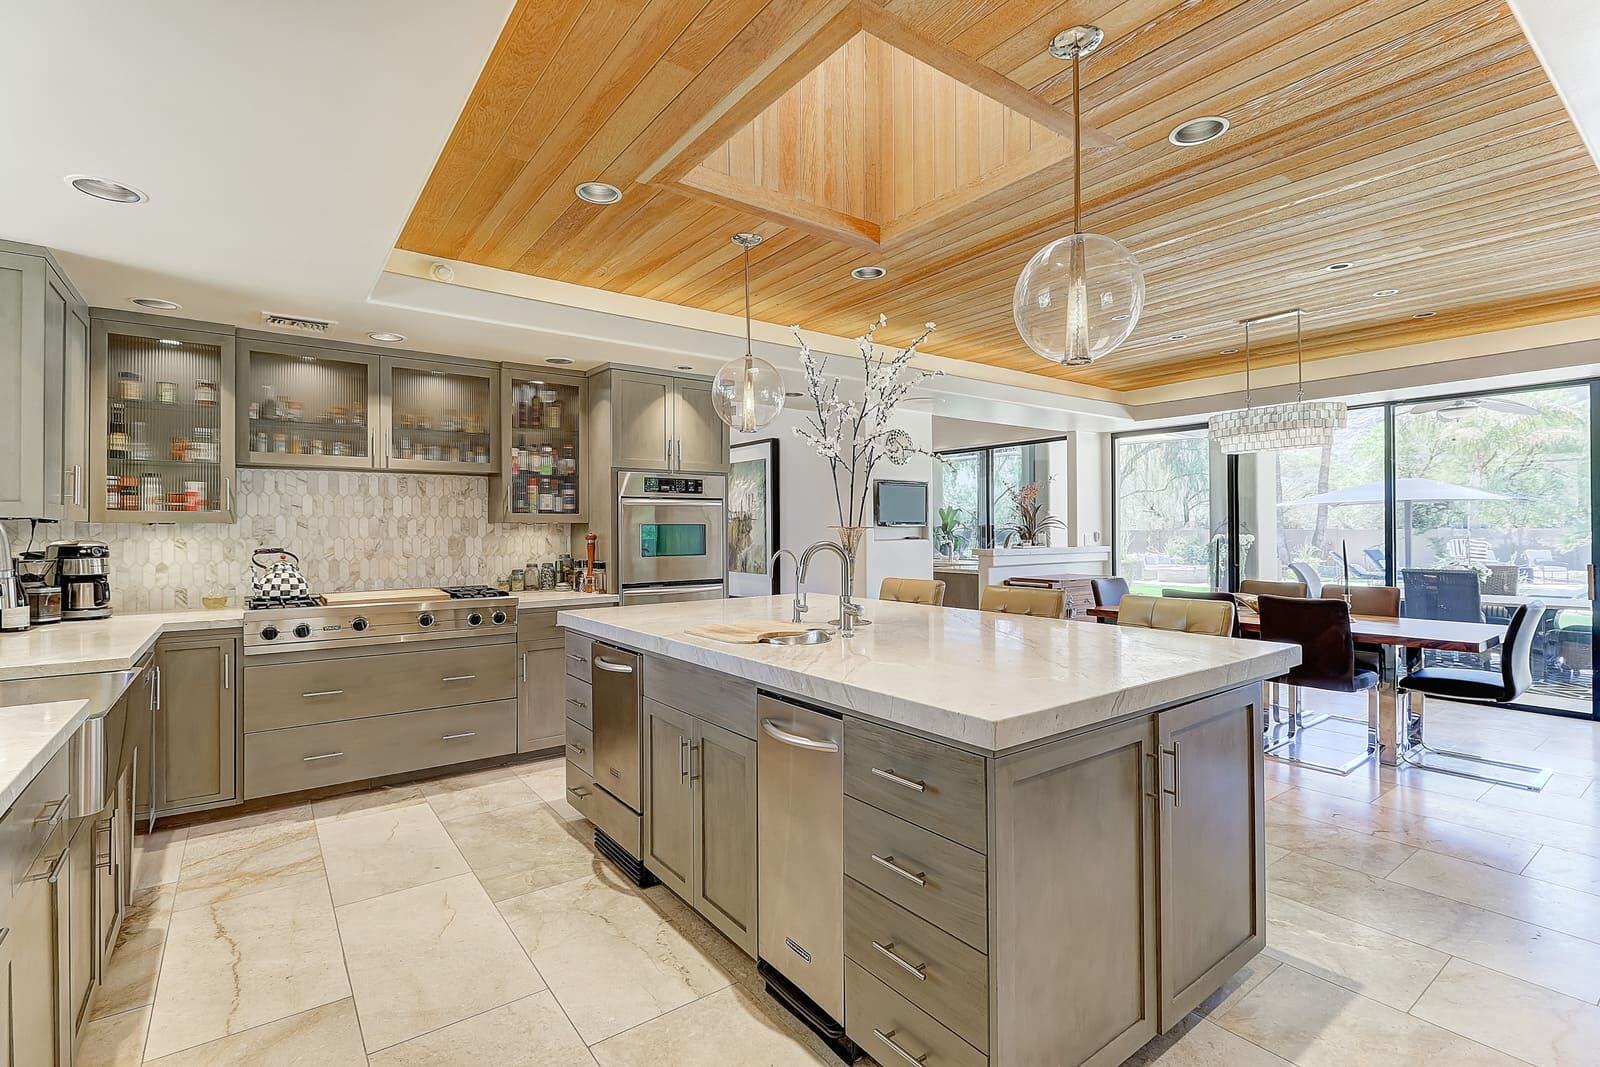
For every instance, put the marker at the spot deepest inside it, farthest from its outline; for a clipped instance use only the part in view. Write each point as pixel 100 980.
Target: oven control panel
pixel 675 486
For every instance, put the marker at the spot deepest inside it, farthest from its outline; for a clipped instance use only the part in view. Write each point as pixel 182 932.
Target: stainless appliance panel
pixel 614 700
pixel 800 813
pixel 671 594
pixel 671 529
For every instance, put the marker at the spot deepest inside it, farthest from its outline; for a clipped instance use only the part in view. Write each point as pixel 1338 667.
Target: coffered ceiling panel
pixel 1418 141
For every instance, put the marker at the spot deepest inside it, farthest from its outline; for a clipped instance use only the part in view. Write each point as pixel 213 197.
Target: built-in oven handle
pixel 797 740
pixel 612 666
pixel 673 501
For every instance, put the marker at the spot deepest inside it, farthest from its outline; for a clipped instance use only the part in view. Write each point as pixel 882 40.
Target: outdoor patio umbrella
pixel 1407 491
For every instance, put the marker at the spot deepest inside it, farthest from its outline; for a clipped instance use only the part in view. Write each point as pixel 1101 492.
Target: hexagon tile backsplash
pixel 351 531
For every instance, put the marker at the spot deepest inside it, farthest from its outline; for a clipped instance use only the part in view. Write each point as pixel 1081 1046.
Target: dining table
pixel 1393 636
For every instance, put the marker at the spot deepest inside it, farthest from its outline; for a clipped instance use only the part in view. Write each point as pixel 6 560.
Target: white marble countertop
pixel 988 681
pixel 112 644
pixel 562 598
pixel 29 735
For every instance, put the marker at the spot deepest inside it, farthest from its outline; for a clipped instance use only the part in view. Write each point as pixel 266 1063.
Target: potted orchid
pixel 855 435
pixel 1033 523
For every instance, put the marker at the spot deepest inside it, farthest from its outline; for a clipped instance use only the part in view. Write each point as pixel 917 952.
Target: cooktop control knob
pixel 359 624
pixel 302 630
pixel 269 633
pixel 425 619
pixel 498 618
pixel 474 619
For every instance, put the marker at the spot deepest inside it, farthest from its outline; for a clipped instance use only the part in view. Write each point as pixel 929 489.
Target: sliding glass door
pixel 1170 514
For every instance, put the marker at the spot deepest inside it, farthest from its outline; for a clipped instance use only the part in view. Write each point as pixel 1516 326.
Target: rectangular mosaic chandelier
pixel 1275 427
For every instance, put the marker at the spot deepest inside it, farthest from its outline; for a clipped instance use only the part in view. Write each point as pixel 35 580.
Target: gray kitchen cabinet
pixel 33 943
pixel 438 415
pixel 83 936
pixel 541 697
pixel 661 422
pixel 669 803
pixel 194 724
pixel 307 406
pixel 541 471
pixel 723 777
pixel 700 436
pixel 6 979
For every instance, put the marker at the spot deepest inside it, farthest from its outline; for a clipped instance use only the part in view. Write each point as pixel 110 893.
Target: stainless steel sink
pixel 809 637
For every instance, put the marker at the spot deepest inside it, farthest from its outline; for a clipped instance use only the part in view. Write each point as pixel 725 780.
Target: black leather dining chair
pixel 1474 686
pixel 1327 662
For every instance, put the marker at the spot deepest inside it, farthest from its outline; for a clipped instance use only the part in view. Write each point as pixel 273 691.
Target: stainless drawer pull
pixel 909 783
pixel 5 932
pixel 460 736
pixel 55 868
pixel 325 755
pixel 577 791
pixel 460 678
pixel 888 1039
pixel 920 877
pixel 575 702
pixel 322 693
pixel 613 666
pixel 575 657
pixel 576 747
pixel 789 737
pixel 1176 792
pixel 919 971
pixel 57 815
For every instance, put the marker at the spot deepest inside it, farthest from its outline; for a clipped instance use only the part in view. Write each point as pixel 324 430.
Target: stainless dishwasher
pixel 800 839
pixel 614 703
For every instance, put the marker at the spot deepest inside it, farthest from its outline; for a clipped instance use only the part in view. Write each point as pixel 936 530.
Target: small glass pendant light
pixel 748 391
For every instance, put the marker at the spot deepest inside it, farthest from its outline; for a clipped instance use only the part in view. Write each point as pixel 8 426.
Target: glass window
pixel 961 517
pixel 1170 511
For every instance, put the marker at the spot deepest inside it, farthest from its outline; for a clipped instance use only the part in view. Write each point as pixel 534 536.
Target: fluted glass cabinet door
pixel 163 424
pixel 541 471
pixel 441 416
pixel 307 406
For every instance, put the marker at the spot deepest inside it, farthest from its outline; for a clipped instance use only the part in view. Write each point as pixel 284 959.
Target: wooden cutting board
pixel 746 633
pixel 334 599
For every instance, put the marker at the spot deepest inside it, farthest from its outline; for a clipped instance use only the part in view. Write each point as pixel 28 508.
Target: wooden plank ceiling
pixel 1417 140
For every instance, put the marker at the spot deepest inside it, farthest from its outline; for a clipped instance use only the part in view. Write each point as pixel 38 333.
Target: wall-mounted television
pixel 900 503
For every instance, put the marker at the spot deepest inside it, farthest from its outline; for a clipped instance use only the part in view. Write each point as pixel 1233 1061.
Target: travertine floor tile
pixel 532 1030
pixel 733 1025
pixel 1237 987
pixel 240 963
pixel 1524 825
pixel 385 851
pixel 1198 1042
pixel 1520 1019
pixel 249 860
pixel 326 1036
pixel 1347 848
pixel 130 978
pixel 706 938
pixel 157 857
pixel 114 1040
pixel 548 778
pixel 1575 870
pixel 1379 966
pixel 517 850
pixel 368 801
pixel 1542 903
pixel 611 959
pixel 429 956
pixel 1447 838
pixel 478 792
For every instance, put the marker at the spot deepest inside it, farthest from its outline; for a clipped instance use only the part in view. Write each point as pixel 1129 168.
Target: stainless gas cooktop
pixel 355 620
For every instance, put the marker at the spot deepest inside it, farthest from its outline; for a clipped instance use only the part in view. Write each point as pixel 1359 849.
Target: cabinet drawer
pixel 279 695
pixel 705 694
pixel 537 627
pixel 580 747
pixel 935 786
pixel 579 708
pixel 896 947
pixel 579 648
pixel 580 790
pixel 35 814
pixel 945 883
pixel 894 1032
pixel 622 823
pixel 305 757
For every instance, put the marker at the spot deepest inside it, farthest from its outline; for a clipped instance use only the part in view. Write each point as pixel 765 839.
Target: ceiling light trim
pixel 1195 132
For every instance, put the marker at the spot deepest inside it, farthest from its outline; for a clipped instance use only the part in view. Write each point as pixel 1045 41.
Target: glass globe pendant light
pixel 1080 296
pixel 748 391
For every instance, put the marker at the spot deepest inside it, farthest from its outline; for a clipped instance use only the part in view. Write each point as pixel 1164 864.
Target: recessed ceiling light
pixel 170 343
pixel 1338 266
pixel 1228 352
pixel 156 302
pixel 1424 314
pixel 1176 336
pixel 442 272
pixel 387 337
pixel 105 189
pixel 1387 292
pixel 559 361
pixel 868 274
pixel 1198 131
pixel 598 193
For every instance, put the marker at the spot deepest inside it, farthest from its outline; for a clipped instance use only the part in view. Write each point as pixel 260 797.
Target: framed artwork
pixel 753 518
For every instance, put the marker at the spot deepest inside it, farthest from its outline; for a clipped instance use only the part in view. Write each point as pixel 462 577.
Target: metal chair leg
pixel 1415 752
pixel 1297 724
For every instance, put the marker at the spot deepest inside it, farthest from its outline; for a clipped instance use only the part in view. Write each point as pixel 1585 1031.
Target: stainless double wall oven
pixel 671 537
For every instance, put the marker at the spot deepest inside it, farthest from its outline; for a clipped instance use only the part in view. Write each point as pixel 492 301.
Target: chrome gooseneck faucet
pixel 799 598
pixel 848 611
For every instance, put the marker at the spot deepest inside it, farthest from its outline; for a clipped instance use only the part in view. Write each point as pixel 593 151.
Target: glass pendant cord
pixel 1078 291
pixel 747 394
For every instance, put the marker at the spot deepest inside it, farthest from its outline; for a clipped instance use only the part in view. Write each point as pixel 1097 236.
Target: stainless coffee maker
pixel 82 568
pixel 13 604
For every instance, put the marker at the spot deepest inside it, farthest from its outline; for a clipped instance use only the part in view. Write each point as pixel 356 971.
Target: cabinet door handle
pixel 918 877
pixel 227 492
pixel 577 791
pixel 227 670
pixel 910 783
pixel 322 693
pixel 55 868
pixel 683 762
pixel 1154 768
pixel 579 749
pixel 58 814
pixel 695 756
pixel 522 670
pixel 612 666
pixel 459 678
pixel 325 755
pixel 888 1039
pixel 575 702
pixel 460 736
pixel 919 971
pixel 77 484
pixel 1176 792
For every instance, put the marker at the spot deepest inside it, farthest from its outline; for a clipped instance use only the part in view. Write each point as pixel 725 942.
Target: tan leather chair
pixel 1377 601
pixel 1179 614
pixel 1256 587
pixel 1020 600
pixel 913 591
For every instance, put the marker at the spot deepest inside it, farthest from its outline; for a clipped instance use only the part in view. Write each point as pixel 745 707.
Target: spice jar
pixel 167 392
pixel 130 385
pixel 150 495
pixel 205 392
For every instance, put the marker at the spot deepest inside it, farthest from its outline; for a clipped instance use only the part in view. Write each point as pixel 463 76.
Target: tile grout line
pixel 166 937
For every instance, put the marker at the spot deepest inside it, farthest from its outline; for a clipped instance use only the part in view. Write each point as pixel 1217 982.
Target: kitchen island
pixel 1049 834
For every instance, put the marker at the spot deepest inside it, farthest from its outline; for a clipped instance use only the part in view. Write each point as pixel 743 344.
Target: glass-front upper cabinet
pixel 440 416
pixel 541 465
pixel 307 406
pixel 164 423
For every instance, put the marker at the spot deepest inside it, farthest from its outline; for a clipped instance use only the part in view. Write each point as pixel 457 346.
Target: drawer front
pixel 32 817
pixel 280 695
pixel 935 786
pixel 537 627
pixel 942 975
pixel 705 694
pixel 580 747
pixel 580 790
pixel 305 757
pixel 924 873
pixel 578 650
pixel 580 708
pixel 895 1032
pixel 622 823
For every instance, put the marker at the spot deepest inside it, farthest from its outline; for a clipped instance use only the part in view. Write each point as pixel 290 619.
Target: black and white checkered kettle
pixel 276 574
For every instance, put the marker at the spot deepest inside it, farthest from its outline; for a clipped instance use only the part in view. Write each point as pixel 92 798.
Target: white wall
pixel 807 513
